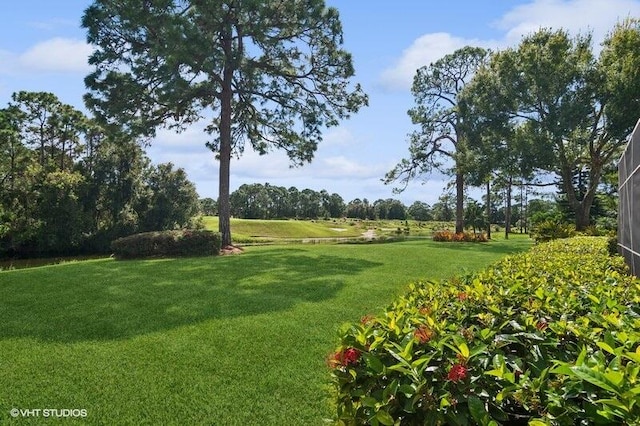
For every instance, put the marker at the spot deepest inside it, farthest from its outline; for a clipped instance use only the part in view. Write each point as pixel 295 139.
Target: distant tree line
pixel 69 186
pixel 265 201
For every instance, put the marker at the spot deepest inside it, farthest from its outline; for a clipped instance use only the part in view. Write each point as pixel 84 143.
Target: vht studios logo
pixel 48 412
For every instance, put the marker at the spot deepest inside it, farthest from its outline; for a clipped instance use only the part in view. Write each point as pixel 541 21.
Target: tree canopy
pixel 571 111
pixel 272 74
pixel 68 186
pixel 440 135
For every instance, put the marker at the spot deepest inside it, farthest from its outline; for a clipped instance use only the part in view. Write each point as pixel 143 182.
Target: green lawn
pixel 256 230
pixel 228 340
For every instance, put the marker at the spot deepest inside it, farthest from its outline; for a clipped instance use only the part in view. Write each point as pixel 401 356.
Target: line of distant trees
pixel 266 201
pixel 70 186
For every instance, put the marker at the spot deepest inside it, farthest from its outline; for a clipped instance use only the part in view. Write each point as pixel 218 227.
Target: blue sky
pixel 42 48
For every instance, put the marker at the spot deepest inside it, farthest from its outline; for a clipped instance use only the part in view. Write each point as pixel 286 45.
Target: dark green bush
pixel 552 230
pixel 548 337
pixel 167 243
pixel 612 242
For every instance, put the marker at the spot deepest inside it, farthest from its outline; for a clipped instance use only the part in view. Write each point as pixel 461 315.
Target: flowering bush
pixel 449 236
pixel 551 336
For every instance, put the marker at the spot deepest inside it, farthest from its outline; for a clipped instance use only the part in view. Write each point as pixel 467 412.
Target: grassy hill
pixel 233 340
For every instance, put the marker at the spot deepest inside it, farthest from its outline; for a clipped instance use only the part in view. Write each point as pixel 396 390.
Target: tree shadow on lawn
pixel 498 247
pixel 109 300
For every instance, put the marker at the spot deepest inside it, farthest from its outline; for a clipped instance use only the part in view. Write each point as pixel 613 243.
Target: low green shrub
pixel 551 230
pixel 450 236
pixel 612 243
pixel 548 337
pixel 167 243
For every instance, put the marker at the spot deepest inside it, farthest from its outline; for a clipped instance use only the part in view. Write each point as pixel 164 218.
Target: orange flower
pixel 423 334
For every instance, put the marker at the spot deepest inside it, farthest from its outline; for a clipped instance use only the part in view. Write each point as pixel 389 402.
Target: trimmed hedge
pixel 167 243
pixel 547 337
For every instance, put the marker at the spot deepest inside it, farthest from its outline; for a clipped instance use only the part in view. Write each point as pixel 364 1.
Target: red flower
pixel 345 357
pixel 457 372
pixel 423 334
pixel 542 325
pixel 462 296
pixel 366 319
pixel 351 356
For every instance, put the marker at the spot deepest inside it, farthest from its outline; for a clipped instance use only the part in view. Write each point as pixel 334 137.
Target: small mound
pixel 230 250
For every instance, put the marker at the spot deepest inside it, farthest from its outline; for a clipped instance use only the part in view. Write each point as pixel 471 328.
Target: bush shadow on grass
pixel 109 300
pixel 493 246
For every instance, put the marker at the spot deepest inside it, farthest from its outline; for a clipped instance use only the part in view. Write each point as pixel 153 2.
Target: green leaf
pixel 537 423
pixel 604 346
pixel 593 299
pixel 464 350
pixel 615 377
pixel 495 372
pixel 613 403
pixel 384 418
pixel 595 377
pixel 477 410
pixel 374 363
pixel 407 353
pixel 369 401
pixel 408 390
pixel 444 402
pixel 478 350
pixel 633 356
pixel 390 390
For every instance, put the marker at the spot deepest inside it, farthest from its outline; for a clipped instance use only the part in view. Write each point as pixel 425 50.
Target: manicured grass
pixel 234 340
pixel 256 229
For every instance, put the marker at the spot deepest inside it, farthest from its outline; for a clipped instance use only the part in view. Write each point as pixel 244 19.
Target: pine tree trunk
pixel 488 209
pixel 507 218
pixel 459 203
pixel 224 208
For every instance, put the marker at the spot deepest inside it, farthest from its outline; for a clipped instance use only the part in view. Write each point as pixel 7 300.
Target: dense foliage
pixel 69 186
pixel 550 105
pixel 551 336
pixel 265 201
pixel 167 243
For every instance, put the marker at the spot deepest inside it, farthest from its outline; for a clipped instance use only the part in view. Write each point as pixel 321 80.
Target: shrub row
pixel 449 236
pixel 547 337
pixel 167 243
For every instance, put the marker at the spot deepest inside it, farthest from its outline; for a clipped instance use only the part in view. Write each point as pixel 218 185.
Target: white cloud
pixel 53 24
pixel 576 16
pixel 338 136
pixel 424 51
pixel 340 167
pixel 57 55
